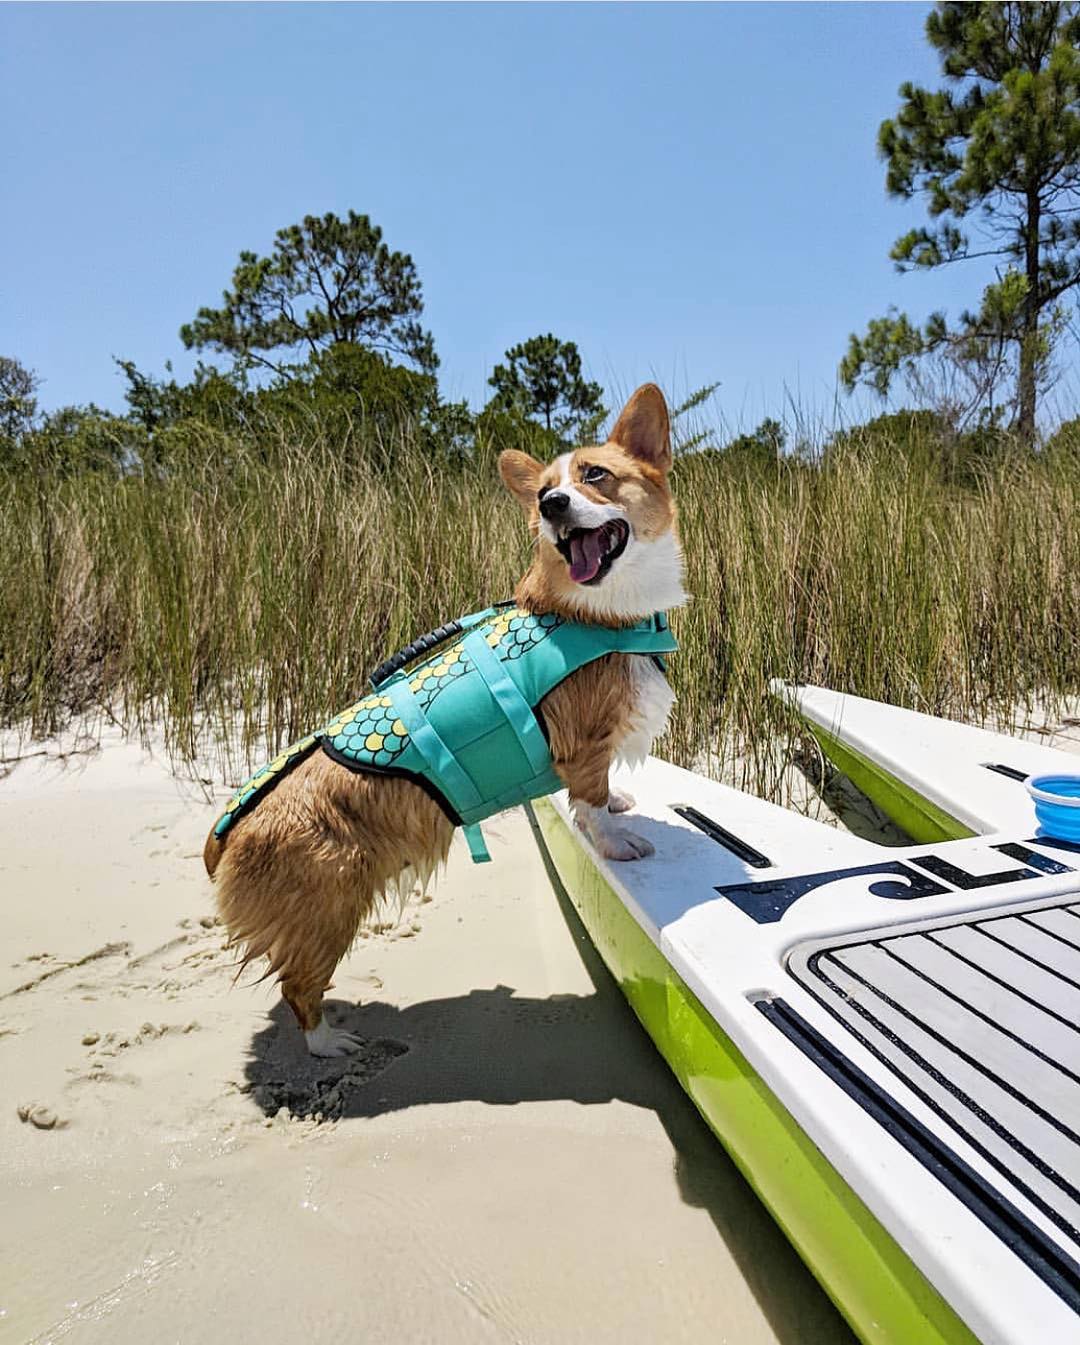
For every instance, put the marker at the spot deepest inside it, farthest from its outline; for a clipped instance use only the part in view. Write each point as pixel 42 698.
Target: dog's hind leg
pixel 307 962
pixel 301 872
pixel 322 1039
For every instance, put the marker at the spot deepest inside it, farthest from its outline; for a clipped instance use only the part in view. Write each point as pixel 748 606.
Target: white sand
pixel 510 1159
pixel 512 1162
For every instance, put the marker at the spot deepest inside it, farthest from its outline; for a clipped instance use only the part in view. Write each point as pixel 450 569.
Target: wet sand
pixel 508 1160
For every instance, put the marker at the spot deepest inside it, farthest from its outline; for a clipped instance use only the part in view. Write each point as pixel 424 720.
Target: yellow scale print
pixel 365 726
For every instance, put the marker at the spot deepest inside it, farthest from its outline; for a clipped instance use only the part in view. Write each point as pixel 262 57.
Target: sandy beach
pixel 412 381
pixel 507 1160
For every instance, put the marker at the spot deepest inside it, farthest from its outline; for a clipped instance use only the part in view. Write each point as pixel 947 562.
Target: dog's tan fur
pixel 298 875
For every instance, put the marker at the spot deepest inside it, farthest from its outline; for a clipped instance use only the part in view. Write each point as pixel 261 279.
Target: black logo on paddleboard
pixel 897 880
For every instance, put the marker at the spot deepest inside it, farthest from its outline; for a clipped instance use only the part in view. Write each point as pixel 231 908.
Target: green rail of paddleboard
pixel 923 821
pixel 883 1295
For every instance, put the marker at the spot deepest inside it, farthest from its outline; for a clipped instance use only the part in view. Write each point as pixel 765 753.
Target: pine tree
pixel 542 378
pixel 996 156
pixel 328 282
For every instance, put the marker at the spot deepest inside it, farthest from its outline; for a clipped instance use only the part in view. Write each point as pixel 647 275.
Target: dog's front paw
pixel 610 840
pixel 330 1042
pixel 618 843
pixel 619 801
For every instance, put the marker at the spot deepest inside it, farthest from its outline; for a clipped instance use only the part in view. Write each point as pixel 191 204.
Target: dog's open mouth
pixel 590 551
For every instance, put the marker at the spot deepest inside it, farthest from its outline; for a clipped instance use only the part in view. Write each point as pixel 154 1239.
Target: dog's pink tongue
pixel 585 553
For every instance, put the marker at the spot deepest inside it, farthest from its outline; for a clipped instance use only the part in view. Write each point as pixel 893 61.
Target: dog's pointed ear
pixel 643 429
pixel 521 476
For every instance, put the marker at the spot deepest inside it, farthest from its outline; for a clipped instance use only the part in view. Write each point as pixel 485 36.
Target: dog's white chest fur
pixel 653 699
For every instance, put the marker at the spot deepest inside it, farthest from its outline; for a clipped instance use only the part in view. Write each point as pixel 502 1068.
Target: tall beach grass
pixel 236 599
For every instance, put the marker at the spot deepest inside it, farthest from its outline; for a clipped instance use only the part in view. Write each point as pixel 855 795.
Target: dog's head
pixel 604 519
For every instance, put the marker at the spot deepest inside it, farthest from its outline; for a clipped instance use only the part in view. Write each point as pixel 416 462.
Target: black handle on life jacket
pixel 423 644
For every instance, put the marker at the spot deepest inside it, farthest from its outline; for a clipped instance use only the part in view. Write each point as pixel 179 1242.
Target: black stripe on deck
pixel 1010 772
pixel 1059 1271
pixel 1006 1166
pixel 979 1019
pixel 739 848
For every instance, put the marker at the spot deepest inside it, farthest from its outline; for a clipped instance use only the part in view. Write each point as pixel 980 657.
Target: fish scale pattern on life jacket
pixel 370 726
pixel 266 775
pixel 462 722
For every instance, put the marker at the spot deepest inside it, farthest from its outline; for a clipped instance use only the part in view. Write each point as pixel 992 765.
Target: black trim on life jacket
pixel 432 791
pixel 243 809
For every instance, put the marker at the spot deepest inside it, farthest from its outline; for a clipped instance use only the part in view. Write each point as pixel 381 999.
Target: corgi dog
pixel 296 876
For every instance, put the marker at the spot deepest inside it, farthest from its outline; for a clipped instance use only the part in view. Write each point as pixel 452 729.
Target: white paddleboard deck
pixel 977 1016
pixel 914 1009
pixel 969 773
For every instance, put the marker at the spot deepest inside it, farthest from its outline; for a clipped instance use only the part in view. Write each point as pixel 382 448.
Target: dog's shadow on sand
pixel 497 1047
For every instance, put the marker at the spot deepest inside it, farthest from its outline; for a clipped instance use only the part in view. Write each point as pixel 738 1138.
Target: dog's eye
pixel 591 475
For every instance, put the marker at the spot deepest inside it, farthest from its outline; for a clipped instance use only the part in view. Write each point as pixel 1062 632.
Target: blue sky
pixel 689 192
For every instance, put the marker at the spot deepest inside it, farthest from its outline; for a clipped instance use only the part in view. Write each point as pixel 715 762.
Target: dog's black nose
pixel 554 503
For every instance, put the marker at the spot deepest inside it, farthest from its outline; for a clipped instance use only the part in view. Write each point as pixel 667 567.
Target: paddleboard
pixel 936 778
pixel 884 1039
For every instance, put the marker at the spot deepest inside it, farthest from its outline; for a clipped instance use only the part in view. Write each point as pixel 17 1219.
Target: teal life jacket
pixel 462 723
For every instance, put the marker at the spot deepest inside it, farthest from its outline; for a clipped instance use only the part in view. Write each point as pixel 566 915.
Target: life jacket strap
pixel 475 839
pixel 516 710
pixel 424 644
pixel 445 771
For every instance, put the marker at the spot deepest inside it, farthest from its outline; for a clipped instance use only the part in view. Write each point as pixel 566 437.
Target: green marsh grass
pixel 240 597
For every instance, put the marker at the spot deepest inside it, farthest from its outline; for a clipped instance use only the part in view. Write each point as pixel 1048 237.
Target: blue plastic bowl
pixel 1057 804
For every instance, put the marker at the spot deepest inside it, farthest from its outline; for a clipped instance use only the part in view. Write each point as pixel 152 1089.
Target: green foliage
pixel 497 429
pixel 451 430
pixel 890 344
pixel 688 433
pixel 908 432
pixel 239 607
pixel 328 281
pixel 929 443
pixel 18 405
pixel 695 400
pixel 158 404
pixel 370 406
pixel 996 157
pixel 762 446
pixel 350 394
pixel 353 393
pixel 1064 444
pixel 80 439
pixel 542 378
pixel 66 442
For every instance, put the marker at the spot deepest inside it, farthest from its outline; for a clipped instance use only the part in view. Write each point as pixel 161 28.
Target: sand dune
pixel 508 1160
